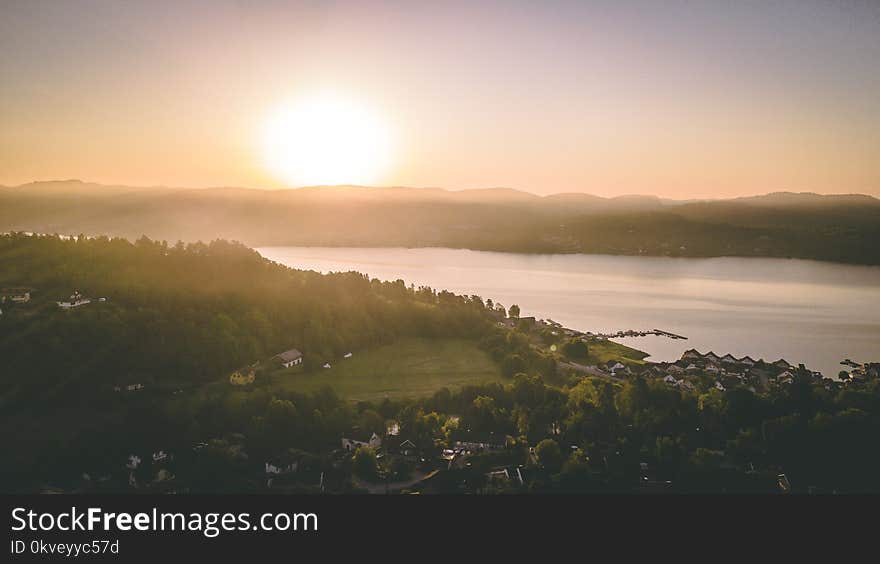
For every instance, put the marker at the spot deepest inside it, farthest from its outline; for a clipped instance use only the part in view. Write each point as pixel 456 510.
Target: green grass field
pixel 408 368
pixel 601 351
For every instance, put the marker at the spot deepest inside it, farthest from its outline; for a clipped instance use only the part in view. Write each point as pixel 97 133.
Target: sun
pixel 326 140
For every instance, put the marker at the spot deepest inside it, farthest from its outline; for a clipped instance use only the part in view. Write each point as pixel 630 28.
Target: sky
pixel 681 99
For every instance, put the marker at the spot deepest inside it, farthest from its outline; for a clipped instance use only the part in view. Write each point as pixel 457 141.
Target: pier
pixel 637 333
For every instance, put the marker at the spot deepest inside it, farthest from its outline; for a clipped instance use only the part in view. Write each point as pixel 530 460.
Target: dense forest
pixel 178 319
pixel 841 228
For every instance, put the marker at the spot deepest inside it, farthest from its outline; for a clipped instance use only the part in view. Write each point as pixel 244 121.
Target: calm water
pixel 804 311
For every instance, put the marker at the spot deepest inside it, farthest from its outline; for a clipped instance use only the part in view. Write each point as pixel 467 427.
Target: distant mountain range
pixel 842 228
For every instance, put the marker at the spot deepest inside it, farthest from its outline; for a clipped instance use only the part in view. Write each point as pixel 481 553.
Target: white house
pixel 160 456
pixel 282 469
pixel 16 295
pixel 326 365
pixel 347 355
pixel 670 379
pixel 289 358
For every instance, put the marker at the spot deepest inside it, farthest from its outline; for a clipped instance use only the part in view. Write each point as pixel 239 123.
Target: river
pixel 807 312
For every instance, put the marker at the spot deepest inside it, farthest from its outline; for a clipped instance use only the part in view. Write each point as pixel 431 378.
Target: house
pixel 374 442
pixel 729 359
pixel 500 475
pixel 242 377
pixel 692 368
pixel 289 358
pixel 160 456
pixel 782 363
pixel 281 468
pixel 719 386
pixel 618 367
pixel 691 353
pixel 133 462
pixel 747 360
pixel 685 385
pixel 347 355
pixel 478 447
pixel 408 448
pixel 392 428
pixel 76 300
pixel 15 295
pixel 711 356
pixel 670 379
pixel 134 387
pixel 713 369
pixel 326 365
pixel 785 378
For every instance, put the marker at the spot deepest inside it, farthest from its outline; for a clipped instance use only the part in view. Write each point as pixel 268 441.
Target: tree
pixel 549 455
pixel 575 348
pixel 365 463
pixel 513 312
pixel 512 364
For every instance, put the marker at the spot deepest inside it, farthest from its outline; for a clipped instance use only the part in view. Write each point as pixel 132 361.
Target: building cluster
pixel 726 372
pixel 859 373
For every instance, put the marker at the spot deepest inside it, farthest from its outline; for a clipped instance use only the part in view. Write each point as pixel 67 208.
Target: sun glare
pixel 326 140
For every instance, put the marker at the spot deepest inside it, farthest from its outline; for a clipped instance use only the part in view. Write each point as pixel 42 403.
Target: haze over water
pixel 804 311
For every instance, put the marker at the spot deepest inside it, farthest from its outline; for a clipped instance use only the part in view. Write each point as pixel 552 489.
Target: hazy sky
pixel 676 98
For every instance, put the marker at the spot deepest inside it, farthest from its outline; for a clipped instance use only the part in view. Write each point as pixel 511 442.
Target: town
pixel 207 368
pixel 388 455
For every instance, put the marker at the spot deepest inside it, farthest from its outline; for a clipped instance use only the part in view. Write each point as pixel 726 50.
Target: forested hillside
pixel 179 315
pixel 840 228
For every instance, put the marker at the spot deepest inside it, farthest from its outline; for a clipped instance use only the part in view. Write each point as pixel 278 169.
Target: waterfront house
pixel 711 356
pixel 691 354
pixel 729 359
pixel 289 358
